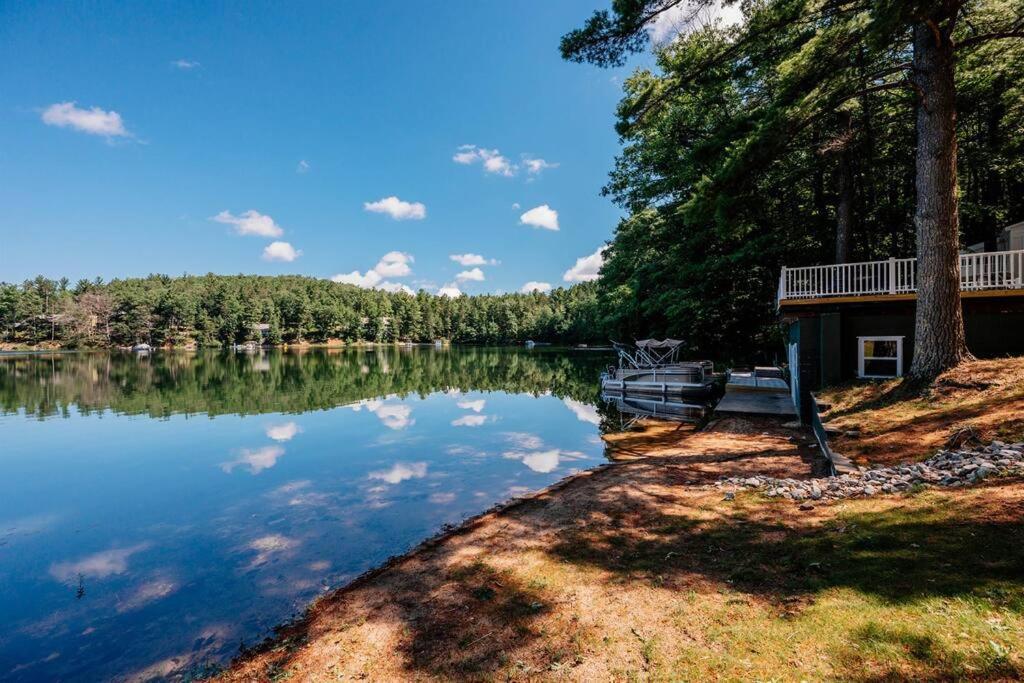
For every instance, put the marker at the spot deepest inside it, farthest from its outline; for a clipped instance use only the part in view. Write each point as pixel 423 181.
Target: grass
pixel 980 400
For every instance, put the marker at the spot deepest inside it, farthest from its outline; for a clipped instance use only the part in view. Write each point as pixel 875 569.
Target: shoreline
pixel 657 442
pixel 648 568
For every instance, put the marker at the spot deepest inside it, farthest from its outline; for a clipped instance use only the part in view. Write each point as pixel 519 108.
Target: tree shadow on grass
pixel 896 554
pixel 920 652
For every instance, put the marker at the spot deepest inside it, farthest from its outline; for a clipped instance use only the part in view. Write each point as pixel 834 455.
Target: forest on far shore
pixel 216 310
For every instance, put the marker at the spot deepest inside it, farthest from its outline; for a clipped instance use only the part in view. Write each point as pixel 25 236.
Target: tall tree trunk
pixel 845 190
pixel 939 325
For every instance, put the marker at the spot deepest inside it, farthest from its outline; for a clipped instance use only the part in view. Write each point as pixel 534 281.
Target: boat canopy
pixel 648 353
pixel 659 344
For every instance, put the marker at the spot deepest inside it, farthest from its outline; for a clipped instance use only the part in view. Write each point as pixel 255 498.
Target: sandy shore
pixel 530 584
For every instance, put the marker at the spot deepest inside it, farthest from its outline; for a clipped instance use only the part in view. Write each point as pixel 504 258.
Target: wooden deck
pixel 740 400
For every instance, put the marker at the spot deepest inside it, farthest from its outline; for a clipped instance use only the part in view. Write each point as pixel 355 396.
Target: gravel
pixel 951 468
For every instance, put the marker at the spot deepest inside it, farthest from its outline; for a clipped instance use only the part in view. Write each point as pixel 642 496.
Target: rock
pixel 752 481
pixel 730 495
pixel 869 490
pixel 983 472
pixel 815 492
pixel 806 506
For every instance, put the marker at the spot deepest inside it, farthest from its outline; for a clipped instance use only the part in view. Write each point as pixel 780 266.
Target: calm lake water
pixel 156 512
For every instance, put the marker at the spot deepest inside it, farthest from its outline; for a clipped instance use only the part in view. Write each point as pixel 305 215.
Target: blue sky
pixel 312 116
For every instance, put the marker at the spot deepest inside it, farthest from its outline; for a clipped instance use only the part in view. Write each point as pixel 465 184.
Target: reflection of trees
pixel 214 383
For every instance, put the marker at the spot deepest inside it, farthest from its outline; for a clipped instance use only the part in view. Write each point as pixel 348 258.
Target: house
pixel 856 320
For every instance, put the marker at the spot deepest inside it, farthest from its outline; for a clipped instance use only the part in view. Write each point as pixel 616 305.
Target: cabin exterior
pixel 856 320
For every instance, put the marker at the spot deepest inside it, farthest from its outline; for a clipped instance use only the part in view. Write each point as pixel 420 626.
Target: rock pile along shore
pixel 945 468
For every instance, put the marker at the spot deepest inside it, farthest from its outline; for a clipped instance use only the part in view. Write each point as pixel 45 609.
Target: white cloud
pixel 584 412
pixel 283 432
pixel 302 167
pixel 473 275
pixel 97 566
pixel 535 165
pixel 395 416
pixel 587 268
pixel 534 286
pixel 269 545
pixel 400 472
pixel 395 287
pixel 542 216
pixel 491 159
pixel 515 205
pixel 93 121
pixel 281 251
pixel 391 264
pixel 691 15
pixel 441 498
pixel 147 593
pixel 250 223
pixel 392 415
pixel 255 460
pixel 525 440
pixel 397 209
pixel 394 264
pixel 542 461
pixel 475 406
pixel 472 260
pixel 185 64
pixel 466 155
pixel 367 281
pixel 450 290
pixel 469 421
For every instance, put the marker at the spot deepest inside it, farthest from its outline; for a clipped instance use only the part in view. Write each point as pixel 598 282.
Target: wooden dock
pixel 748 401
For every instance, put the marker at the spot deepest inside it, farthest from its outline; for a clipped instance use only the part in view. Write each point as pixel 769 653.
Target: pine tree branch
pixel 985 37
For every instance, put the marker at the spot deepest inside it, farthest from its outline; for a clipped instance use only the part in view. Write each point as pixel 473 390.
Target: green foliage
pixel 732 151
pixel 214 310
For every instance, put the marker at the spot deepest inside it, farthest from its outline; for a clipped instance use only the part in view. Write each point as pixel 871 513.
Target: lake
pixel 158 512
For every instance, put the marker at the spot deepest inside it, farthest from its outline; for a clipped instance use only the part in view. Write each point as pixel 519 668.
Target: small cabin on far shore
pixel 856 320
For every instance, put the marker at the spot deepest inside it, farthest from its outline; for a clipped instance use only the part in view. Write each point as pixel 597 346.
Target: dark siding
pixel 866 323
pixel 994 328
pixel 828 336
pixel 810 362
pixel 831 347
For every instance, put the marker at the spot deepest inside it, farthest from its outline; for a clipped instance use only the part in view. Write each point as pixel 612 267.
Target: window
pixel 879 357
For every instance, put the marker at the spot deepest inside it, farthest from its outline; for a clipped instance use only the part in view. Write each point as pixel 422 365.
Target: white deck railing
pixel 987 270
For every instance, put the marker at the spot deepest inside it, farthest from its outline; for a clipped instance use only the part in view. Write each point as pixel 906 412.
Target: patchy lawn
pixel 641 571
pixel 982 399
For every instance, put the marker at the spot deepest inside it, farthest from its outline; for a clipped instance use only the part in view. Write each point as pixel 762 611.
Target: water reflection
pixel 138 540
pixel 631 408
pixel 162 384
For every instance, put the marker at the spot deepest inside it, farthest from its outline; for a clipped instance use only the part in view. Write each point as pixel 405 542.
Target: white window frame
pixel 898 358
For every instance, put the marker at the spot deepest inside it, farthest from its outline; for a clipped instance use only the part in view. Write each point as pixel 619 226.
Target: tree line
pixel 811 133
pixel 272 381
pixel 216 310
